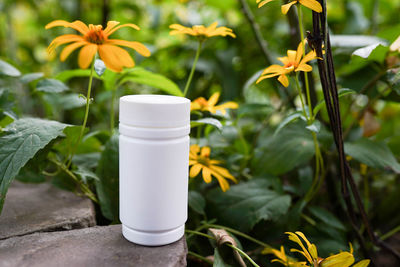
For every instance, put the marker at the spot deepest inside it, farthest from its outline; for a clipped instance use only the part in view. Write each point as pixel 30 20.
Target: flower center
pixel 95 34
pixel 203 161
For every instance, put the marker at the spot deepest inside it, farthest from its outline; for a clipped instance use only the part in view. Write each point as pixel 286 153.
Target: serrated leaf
pixel 99 67
pixel 375 154
pixel 196 202
pixel 51 86
pixel 8 69
pixel 342 92
pixel 142 76
pixel 108 186
pixel 314 127
pixel 30 77
pixel 208 121
pixel 23 139
pixel 248 203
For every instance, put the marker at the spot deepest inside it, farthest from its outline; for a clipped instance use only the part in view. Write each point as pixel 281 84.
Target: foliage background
pixel 270 167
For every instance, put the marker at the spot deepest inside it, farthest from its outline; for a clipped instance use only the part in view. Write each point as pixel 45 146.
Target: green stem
pixel 243 253
pixel 303 107
pixel 112 112
pixel 86 116
pixel 85 189
pixel 236 232
pixel 304 54
pixel 229 245
pixel 193 69
pixel 390 233
pixel 200 257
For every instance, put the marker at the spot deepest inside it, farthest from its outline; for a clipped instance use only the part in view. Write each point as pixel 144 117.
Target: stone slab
pixel 95 246
pixel 31 208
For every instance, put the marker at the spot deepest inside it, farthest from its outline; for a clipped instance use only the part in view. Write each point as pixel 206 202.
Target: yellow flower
pixel 310 253
pixel 293 62
pixel 283 259
pixel 94 39
pixel 202 32
pixel 200 160
pixel 311 4
pixel 210 105
pixel 395 45
pixel 342 259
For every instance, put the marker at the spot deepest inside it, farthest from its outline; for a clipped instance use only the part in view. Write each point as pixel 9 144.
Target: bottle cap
pixel 159 111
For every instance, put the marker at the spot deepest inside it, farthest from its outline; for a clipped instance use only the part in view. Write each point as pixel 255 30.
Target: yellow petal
pixel 293 237
pixel 277 69
pixel 224 173
pixel 77 25
pixel 115 57
pixel 283 80
pixel 207 175
pixel 343 259
pixel 110 26
pixel 292 55
pixel 227 105
pixel 194 170
pixel 64 39
pixel 312 4
pixel 214 99
pixel 140 48
pixel 285 8
pixel 133 26
pixel 192 162
pixel 195 148
pixel 86 55
pixel 303 67
pixel 205 151
pixel 221 180
pixel 310 56
pixel 212 27
pixel 396 45
pixel 284 60
pixel 363 263
pixel 263 2
pixel 69 49
pixel 299 52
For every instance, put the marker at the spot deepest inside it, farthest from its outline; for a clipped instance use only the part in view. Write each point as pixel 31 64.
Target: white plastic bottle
pixel 153 167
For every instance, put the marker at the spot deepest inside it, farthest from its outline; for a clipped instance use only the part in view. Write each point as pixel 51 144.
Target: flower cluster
pixel 209 105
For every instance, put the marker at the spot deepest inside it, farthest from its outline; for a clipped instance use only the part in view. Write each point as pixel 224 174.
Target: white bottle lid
pixel 159 111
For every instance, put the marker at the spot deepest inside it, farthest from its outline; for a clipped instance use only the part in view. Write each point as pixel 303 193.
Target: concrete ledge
pixel 31 208
pixel 95 246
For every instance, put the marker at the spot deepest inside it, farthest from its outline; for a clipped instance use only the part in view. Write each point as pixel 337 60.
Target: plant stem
pixel 243 253
pixel 200 257
pixel 303 107
pixel 193 68
pixel 304 53
pixel 85 118
pixel 390 233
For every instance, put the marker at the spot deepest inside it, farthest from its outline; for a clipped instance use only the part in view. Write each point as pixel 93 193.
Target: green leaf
pixel 393 77
pixel 23 139
pixel 99 67
pixel 278 154
pixel 314 127
pixel 108 186
pixel 287 120
pixel 65 101
pixel 51 86
pixel 142 76
pixel 8 70
pixel 218 260
pixel 86 174
pixel 208 121
pixel 197 202
pixel 341 92
pixel 248 203
pixel 375 154
pixel 30 77
pixel 327 217
pixel 69 74
pixel 376 52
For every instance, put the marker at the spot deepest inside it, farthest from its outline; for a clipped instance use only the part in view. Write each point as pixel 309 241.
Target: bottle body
pixel 153 183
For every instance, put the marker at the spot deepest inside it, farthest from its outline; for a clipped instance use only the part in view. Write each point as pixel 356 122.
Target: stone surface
pixel 96 246
pixel 31 208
